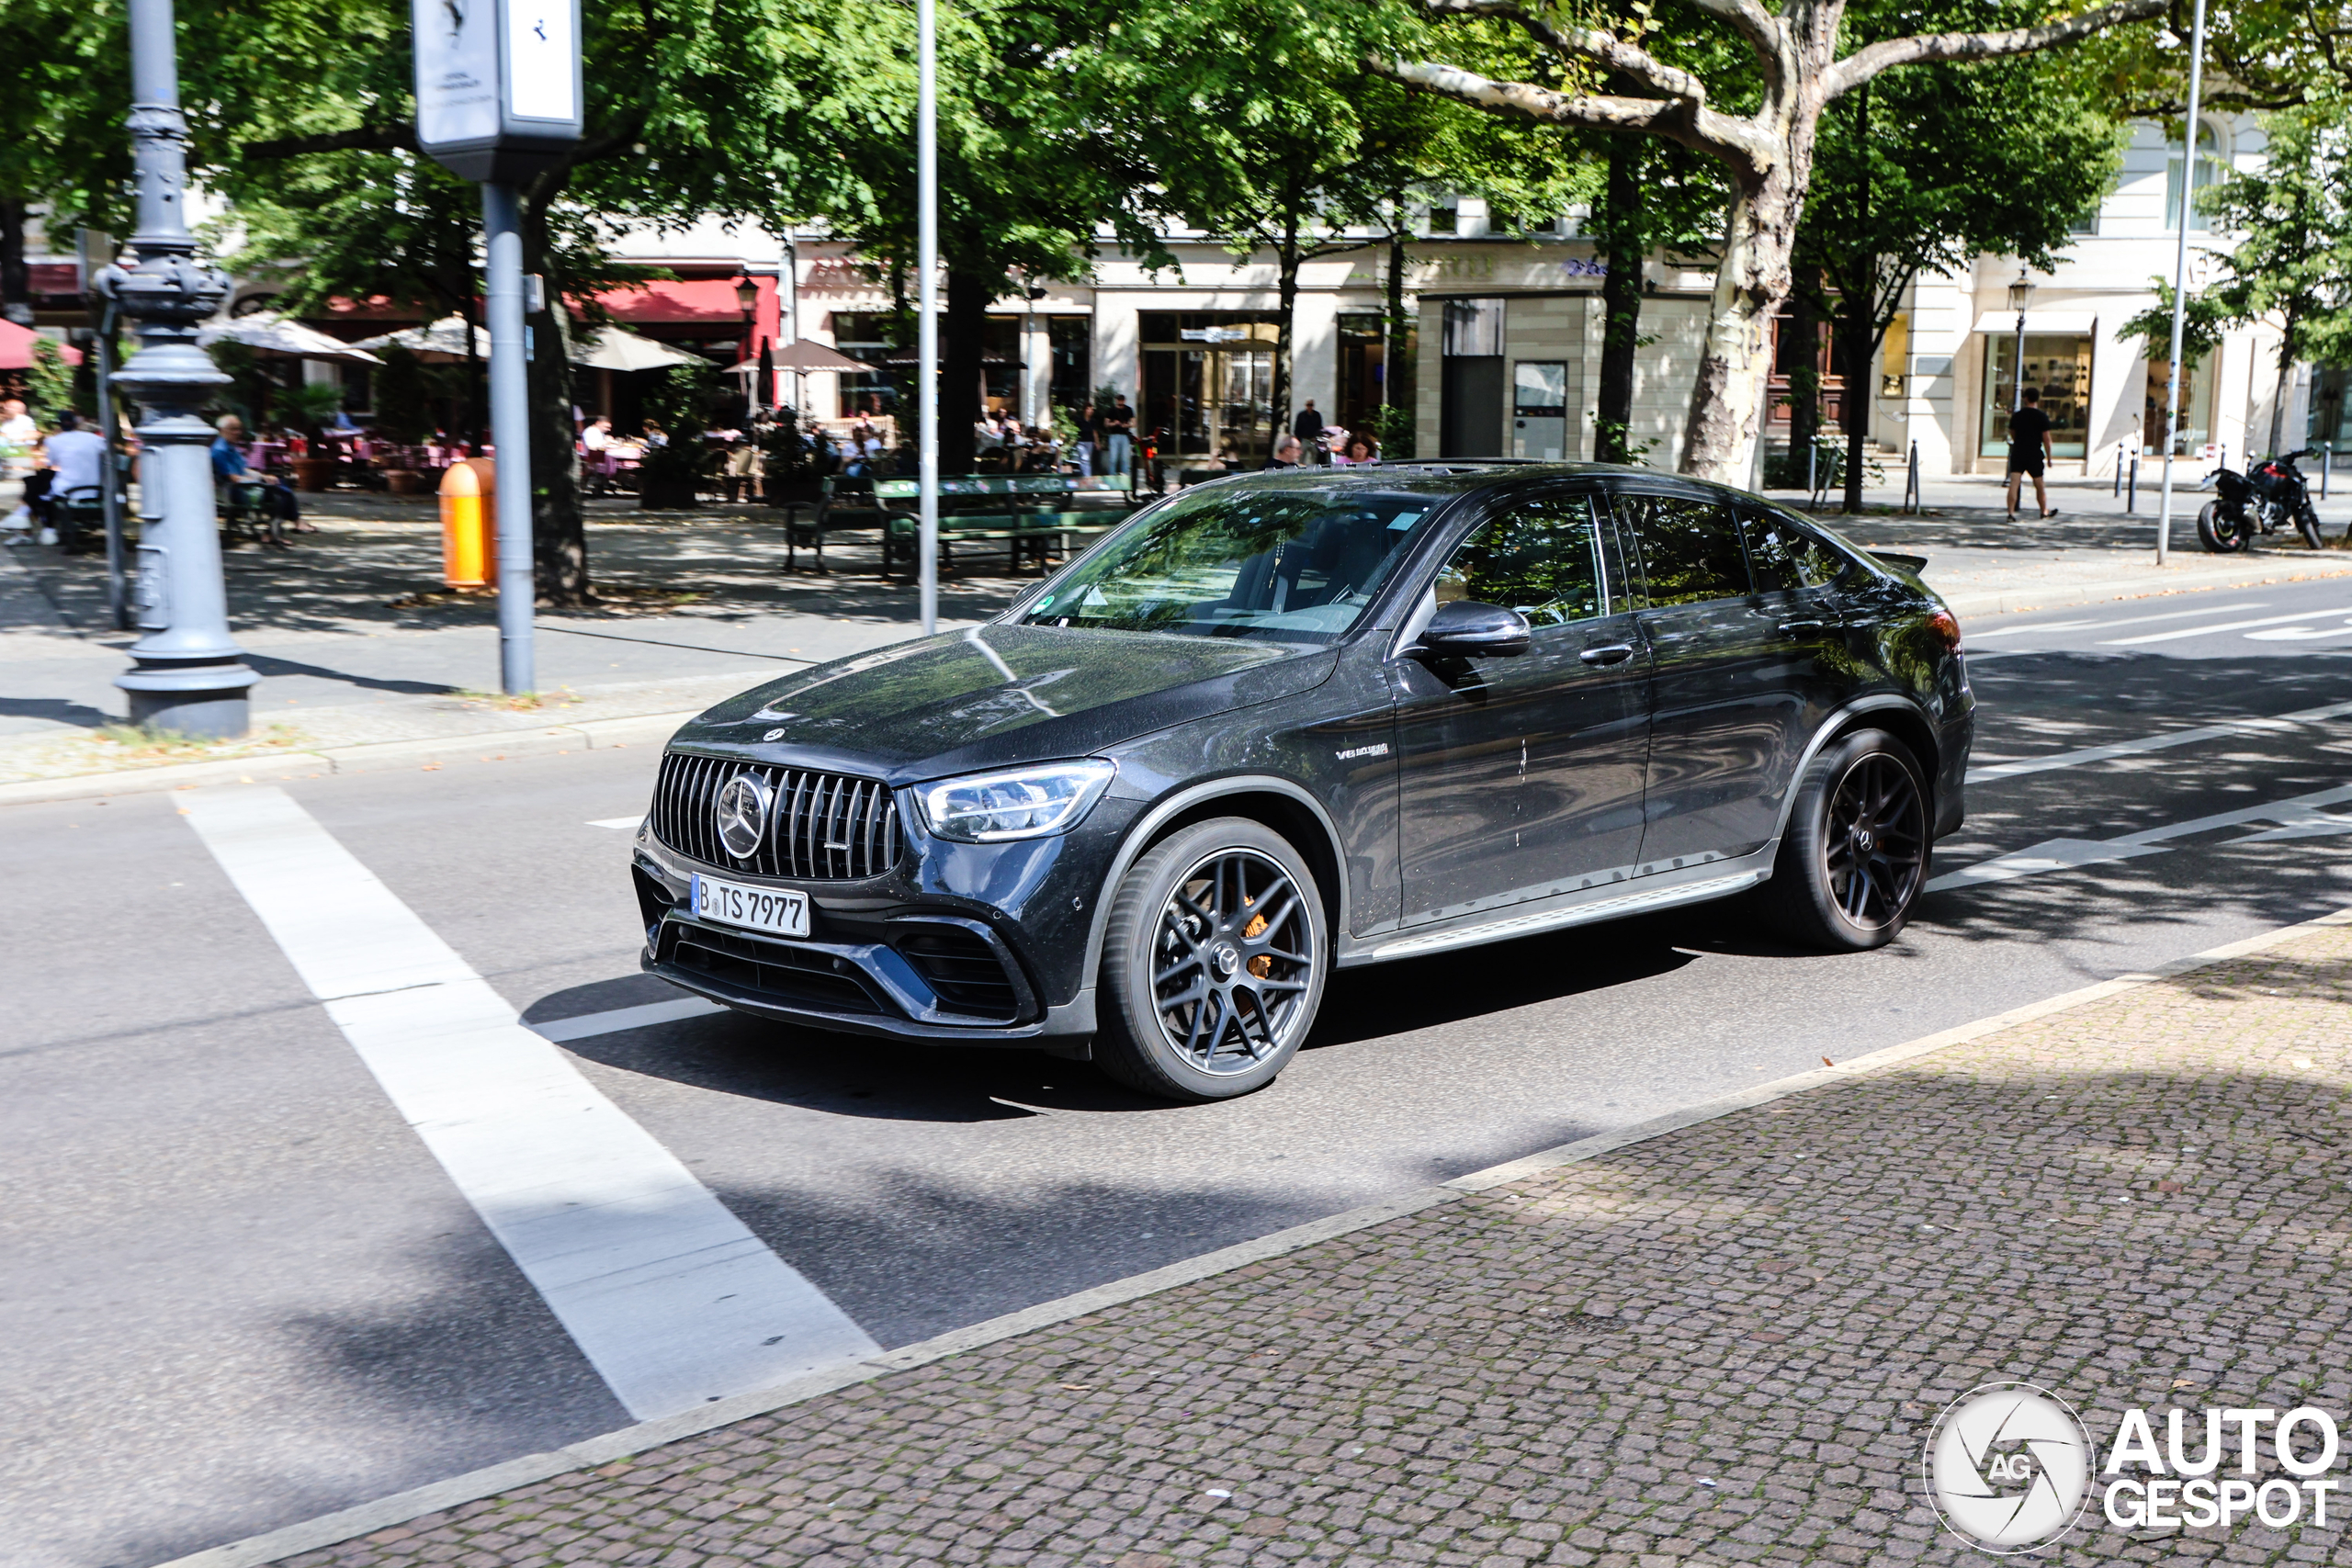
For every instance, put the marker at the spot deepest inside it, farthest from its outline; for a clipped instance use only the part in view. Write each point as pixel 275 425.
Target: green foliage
pixel 1391 425
pixel 682 401
pixel 784 447
pixel 2294 265
pixel 1616 435
pixel 2203 322
pixel 49 383
pixel 310 406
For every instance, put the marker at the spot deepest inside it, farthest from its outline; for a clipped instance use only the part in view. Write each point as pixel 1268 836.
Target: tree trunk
pixel 1859 309
pixel 1620 304
pixel 2279 398
pixel 1801 346
pixel 16 277
pixel 1285 306
pixel 558 532
pixel 1727 405
pixel 970 292
pixel 1392 347
pixel 468 311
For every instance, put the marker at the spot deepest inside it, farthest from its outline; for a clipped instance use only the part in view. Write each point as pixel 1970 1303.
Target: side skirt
pixel 1696 885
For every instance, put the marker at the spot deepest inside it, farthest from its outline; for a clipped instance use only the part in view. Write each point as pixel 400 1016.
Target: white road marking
pixel 2236 728
pixel 2300 634
pixel 671 1299
pixel 594 1023
pixel 2126 621
pixel 626 824
pixel 2213 631
pixel 2299 817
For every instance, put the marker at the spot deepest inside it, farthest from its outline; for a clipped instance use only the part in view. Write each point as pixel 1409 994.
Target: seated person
pixel 229 466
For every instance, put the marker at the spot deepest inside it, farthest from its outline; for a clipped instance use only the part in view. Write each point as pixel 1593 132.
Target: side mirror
pixel 1467 629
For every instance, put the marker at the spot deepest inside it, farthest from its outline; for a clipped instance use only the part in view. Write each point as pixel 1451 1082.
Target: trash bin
pixel 469 523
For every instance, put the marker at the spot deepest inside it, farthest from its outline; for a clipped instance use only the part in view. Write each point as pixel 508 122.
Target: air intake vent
pixel 821 827
pixel 962 969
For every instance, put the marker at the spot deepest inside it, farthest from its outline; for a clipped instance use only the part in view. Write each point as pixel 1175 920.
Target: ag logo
pixel 2009 1467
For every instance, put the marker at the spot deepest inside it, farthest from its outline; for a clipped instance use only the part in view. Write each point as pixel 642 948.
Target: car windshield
pixel 1296 564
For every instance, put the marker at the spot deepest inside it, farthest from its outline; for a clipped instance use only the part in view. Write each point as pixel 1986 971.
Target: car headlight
pixel 1028 803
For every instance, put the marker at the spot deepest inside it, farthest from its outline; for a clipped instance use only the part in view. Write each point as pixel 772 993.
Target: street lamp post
pixel 188 675
pixel 2020 292
pixel 927 302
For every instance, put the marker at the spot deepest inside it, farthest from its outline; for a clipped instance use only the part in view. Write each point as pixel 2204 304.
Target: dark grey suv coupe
pixel 1285 724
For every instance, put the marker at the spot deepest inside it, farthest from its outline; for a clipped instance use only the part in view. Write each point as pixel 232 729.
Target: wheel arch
pixel 1898 716
pixel 1278 803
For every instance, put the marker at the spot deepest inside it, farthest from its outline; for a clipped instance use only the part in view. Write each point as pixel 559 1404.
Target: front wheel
pixel 2223 529
pixel 1855 854
pixel 1213 964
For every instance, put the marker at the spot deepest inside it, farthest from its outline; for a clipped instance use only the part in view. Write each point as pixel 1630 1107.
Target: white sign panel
pixel 457 71
pixel 540 60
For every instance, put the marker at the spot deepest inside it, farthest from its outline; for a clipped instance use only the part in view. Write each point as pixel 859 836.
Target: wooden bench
pixel 1029 515
pixel 843 505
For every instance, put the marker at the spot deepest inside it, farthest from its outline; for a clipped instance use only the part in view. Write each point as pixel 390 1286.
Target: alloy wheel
pixel 1876 841
pixel 1232 961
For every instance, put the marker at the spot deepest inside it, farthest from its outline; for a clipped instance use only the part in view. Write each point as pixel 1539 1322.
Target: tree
pixel 2295 266
pixel 2201 326
pixel 1799 62
pixel 1925 169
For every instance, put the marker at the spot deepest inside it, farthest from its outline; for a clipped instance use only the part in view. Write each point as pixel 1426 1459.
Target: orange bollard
pixel 470 524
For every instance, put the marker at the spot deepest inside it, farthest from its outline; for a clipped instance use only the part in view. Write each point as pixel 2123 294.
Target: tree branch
pixel 365 138
pixel 1757 26
pixel 1691 125
pixel 1604 49
pixel 1864 63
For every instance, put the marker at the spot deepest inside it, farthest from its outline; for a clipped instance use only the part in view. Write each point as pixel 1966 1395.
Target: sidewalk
pixel 359 645
pixel 1723 1344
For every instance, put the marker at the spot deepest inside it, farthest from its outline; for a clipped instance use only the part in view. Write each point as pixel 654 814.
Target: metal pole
pixel 2180 273
pixel 510 432
pixel 2118 468
pixel 2017 370
pixel 2132 488
pixel 118 595
pixel 927 270
pixel 188 675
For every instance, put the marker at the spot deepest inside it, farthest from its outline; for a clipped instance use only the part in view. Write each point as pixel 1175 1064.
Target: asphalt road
pixel 240 1291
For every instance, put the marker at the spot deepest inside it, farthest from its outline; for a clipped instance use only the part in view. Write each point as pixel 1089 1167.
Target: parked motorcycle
pixel 2265 500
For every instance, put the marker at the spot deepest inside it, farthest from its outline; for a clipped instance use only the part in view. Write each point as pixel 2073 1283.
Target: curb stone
pixel 600 734
pixel 398 1508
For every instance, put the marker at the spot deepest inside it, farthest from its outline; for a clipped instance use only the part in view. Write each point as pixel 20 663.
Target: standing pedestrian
pixel 2030 453
pixel 1118 431
pixel 1090 430
pixel 1308 428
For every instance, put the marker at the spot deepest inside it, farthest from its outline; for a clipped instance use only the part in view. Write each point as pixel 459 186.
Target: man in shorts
pixel 2030 453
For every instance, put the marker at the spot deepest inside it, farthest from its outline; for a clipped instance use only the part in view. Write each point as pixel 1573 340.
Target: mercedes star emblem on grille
pixel 741 814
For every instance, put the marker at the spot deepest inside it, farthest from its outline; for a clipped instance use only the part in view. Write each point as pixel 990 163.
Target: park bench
pixel 846 504
pixel 1033 517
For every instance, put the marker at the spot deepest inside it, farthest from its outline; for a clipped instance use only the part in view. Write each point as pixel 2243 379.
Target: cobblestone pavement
pixel 1726 1345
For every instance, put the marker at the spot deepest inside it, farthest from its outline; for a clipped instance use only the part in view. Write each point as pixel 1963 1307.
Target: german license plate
pixel 770 909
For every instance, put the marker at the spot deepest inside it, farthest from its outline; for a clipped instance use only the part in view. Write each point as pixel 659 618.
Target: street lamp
pixel 2020 293
pixel 747 295
pixel 188 676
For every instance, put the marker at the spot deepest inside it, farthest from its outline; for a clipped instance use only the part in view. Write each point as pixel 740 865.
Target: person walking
pixel 1118 432
pixel 1308 428
pixel 2030 453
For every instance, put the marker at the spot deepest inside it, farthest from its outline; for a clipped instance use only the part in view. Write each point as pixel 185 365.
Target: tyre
pixel 2307 525
pixel 1856 852
pixel 1213 964
pixel 2223 529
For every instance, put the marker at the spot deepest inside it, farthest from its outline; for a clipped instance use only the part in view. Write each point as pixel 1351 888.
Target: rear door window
pixel 1690 548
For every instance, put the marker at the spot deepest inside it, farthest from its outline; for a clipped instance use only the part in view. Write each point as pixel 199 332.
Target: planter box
pixel 314 473
pixel 407 482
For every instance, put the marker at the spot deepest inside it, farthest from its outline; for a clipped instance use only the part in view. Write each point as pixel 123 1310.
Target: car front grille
pixel 821 827
pixel 774 970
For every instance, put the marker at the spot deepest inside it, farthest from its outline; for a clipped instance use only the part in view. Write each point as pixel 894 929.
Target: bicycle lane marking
pixel 671 1297
pixel 2298 817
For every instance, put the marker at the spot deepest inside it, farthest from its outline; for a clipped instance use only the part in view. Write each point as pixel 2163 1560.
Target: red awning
pixel 691 301
pixel 17 347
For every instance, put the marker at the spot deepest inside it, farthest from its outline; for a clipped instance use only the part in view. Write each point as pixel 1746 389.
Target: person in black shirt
pixel 1307 427
pixel 2030 453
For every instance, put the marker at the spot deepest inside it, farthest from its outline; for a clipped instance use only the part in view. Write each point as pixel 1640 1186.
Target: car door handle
pixel 1615 653
pixel 1800 628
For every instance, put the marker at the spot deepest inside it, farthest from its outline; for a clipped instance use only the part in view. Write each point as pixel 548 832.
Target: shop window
pixel 2059 364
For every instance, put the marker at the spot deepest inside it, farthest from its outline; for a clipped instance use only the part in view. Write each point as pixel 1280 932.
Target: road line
pixel 2224 626
pixel 671 1297
pixel 2299 817
pixel 626 824
pixel 588 1025
pixel 349 1524
pixel 2126 621
pixel 2234 730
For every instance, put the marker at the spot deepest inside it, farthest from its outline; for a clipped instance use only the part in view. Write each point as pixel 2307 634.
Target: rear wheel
pixel 2223 529
pixel 1855 854
pixel 1213 964
pixel 2307 525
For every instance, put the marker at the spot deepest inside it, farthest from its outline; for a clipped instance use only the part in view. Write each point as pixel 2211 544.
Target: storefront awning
pixel 2038 323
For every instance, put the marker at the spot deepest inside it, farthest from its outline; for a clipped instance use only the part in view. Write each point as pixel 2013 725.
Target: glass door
pixel 1539 410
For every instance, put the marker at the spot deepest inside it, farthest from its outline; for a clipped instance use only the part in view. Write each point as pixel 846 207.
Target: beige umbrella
pixel 269 332
pixel 611 348
pixel 441 343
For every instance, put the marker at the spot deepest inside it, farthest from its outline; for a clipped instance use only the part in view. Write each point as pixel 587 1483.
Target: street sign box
pixel 498 88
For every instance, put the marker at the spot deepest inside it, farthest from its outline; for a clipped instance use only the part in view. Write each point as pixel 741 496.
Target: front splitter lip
pixel 877 1026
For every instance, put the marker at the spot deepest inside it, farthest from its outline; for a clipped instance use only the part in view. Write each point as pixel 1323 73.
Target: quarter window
pixel 1542 558
pixel 1691 548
